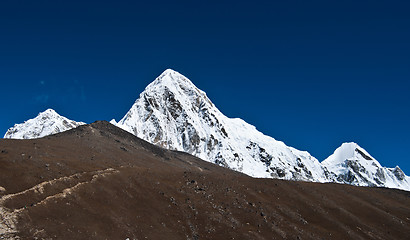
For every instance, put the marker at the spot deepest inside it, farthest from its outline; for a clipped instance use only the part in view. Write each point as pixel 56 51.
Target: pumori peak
pixel 179 85
pixel 352 164
pixel 171 78
pixel 46 123
pixel 173 113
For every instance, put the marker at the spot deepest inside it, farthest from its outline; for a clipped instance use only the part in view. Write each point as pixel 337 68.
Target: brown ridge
pixel 100 182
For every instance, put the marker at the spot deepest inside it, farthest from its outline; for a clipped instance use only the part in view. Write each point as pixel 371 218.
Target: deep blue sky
pixel 313 74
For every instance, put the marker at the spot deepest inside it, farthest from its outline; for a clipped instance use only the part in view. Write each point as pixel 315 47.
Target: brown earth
pixel 100 182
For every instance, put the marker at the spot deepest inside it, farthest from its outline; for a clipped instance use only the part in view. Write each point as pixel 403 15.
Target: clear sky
pixel 313 74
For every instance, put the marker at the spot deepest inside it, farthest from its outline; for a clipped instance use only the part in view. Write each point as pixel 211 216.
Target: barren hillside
pixel 100 182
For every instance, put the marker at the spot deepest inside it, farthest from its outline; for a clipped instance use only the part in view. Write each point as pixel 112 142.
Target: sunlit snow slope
pixel 46 123
pixel 352 164
pixel 172 112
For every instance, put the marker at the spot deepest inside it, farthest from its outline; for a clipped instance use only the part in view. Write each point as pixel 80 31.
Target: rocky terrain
pixel 98 181
pixel 173 113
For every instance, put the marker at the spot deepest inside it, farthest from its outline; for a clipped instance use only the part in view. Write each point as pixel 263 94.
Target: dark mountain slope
pixel 100 182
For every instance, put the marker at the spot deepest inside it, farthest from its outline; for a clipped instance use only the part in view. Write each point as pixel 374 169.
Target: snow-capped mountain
pixel 172 112
pixel 353 165
pixel 46 123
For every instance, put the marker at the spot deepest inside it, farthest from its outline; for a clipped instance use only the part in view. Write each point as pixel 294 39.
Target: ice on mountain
pixel 351 164
pixel 172 112
pixel 46 123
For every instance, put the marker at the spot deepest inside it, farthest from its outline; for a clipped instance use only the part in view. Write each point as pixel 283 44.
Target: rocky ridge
pixel 353 165
pixel 98 181
pixel 173 113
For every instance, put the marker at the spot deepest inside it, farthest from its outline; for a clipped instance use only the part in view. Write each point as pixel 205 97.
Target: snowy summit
pixel 46 123
pixel 353 165
pixel 173 113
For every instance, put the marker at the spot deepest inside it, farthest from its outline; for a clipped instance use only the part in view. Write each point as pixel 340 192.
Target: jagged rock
pixel 353 165
pixel 172 112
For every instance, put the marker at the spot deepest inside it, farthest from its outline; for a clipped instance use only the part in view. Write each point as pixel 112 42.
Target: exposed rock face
pixel 98 181
pixel 46 123
pixel 353 165
pixel 173 113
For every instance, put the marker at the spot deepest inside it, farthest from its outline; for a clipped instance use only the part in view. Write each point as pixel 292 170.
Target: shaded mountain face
pixel 173 113
pixel 100 182
pixel 46 123
pixel 352 164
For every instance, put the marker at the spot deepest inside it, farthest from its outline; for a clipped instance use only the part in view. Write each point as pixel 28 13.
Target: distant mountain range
pixel 173 113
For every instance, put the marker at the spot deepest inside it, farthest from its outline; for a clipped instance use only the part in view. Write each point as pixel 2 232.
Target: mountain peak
pixel 173 81
pixel 173 92
pixel 169 71
pixel 167 75
pixel 352 164
pixel 349 144
pixel 49 111
pixel 166 104
pixel 173 113
pixel 45 123
pixel 348 150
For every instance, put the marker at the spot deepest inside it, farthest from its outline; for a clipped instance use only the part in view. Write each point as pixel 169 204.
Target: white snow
pixel 46 123
pixel 173 113
pixel 353 165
